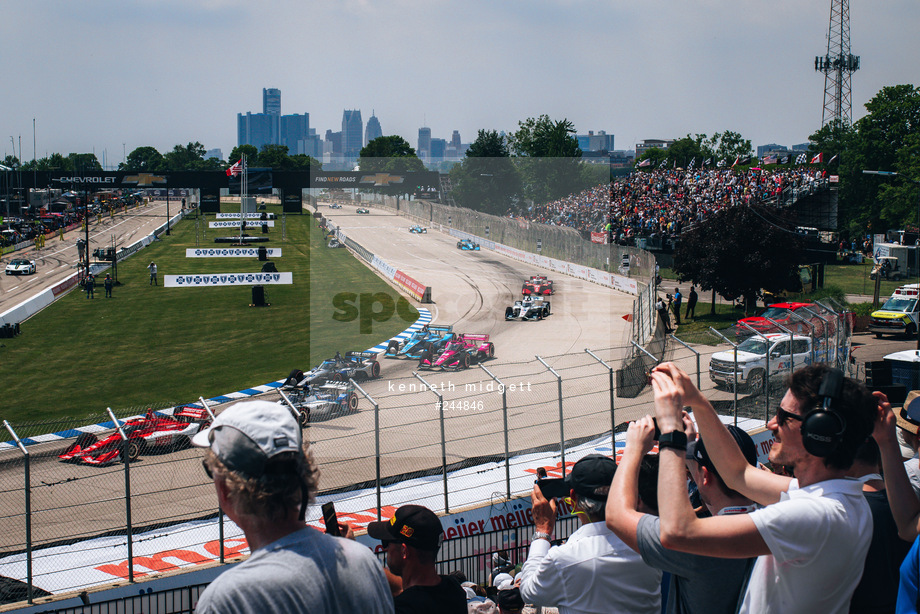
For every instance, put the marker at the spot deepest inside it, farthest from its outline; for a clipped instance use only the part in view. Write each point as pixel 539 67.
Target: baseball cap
pixel 413 525
pixel 499 580
pixel 697 451
pixel 246 436
pixel 591 476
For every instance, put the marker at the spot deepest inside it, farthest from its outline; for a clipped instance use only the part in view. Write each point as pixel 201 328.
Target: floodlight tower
pixel 837 65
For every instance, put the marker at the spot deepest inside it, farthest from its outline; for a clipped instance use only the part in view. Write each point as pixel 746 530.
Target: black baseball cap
pixel 510 599
pixel 591 476
pixel 697 451
pixel 413 525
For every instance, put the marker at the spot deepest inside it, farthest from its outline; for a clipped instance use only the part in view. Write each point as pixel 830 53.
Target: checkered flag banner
pixel 801 159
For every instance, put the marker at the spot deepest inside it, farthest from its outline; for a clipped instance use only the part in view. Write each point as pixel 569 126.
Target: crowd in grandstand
pixel 660 203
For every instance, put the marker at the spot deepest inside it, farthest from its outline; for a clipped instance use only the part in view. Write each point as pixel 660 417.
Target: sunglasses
pixel 207 469
pixel 782 416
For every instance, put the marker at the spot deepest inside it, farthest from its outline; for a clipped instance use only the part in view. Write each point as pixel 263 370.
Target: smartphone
pixel 329 517
pixel 541 473
pixel 657 434
pixel 553 488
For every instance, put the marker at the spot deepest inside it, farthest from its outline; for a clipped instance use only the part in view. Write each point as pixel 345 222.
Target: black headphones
pixel 823 426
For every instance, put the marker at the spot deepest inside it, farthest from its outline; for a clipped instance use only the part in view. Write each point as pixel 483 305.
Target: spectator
pixel 812 536
pixel 265 478
pixel 908 421
pixel 594 571
pixel 510 601
pixel 678 297
pixel 698 583
pixel 691 303
pixel 412 539
pixel 108 283
pixel 663 315
pixel 89 284
pixel 501 564
pixel 877 590
pixel 152 267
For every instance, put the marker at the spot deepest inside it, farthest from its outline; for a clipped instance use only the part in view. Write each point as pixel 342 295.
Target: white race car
pixel 530 308
pixel 20 266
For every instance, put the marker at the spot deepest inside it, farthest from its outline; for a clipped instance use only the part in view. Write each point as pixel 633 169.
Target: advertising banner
pixel 231 252
pixel 236 224
pixel 599 237
pixel 226 279
pixel 413 287
pixel 248 216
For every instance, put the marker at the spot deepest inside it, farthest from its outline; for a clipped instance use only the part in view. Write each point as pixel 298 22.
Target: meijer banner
pixel 226 279
pixel 231 252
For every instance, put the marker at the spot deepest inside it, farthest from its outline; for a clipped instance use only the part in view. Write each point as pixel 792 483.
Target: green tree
pixel 250 151
pixel 143 159
pixel 655 156
pixel 683 151
pixel 549 159
pixel 274 157
pixel 545 138
pixel 390 154
pixel 726 145
pixel 739 251
pixel 486 180
pixel 183 158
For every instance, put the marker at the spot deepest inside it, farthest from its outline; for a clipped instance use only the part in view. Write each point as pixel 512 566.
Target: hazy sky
pixel 108 77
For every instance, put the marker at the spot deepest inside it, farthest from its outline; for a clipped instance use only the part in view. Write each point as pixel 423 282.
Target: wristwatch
pixel 541 535
pixel 676 440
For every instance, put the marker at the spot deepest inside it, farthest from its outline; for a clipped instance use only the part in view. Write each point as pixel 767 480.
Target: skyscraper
pixel 271 101
pixel 295 130
pixel 257 129
pixel 373 129
pixel 424 143
pixel 352 133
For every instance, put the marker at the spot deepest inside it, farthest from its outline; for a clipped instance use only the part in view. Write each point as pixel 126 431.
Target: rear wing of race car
pixel 480 338
pixel 362 355
pixel 442 328
pixel 193 413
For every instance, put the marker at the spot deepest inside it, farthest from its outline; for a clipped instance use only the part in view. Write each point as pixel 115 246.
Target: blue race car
pixel 432 338
pixel 467 245
pixel 418 230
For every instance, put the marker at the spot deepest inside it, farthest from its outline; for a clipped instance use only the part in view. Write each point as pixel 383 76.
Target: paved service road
pixel 59 258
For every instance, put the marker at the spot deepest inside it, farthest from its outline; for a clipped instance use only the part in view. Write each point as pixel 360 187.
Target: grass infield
pixel 150 346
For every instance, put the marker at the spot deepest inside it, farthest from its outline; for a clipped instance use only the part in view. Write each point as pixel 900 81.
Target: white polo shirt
pixel 818 537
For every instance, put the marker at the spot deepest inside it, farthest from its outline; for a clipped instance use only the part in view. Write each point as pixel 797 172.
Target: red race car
pixel 459 353
pixel 538 284
pixel 151 431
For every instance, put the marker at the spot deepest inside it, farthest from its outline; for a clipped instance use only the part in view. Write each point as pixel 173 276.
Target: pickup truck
pixel 752 360
pixel 898 315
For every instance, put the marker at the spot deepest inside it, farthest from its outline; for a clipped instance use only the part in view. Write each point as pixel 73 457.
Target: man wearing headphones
pixel 812 535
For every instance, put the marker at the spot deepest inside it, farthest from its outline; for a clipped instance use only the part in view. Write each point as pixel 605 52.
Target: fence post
pixel 613 423
pixel 28 494
pixel 376 442
pixel 561 420
pixel 127 462
pixel 220 511
pixel 697 354
pixel 443 438
pixel 505 422
pixel 734 372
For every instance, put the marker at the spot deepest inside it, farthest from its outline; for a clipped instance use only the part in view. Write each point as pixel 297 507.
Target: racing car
pixel 467 245
pixel 363 211
pixel 430 338
pixel 459 353
pixel 335 206
pixel 418 230
pixel 150 431
pixel 334 242
pixel 530 308
pixel 354 365
pixel 20 266
pixel 538 284
pixel 331 398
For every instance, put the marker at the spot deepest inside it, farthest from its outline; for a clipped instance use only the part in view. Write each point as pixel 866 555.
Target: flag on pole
pixel 663 164
pixel 785 159
pixel 801 159
pixel 707 162
pixel 745 160
pixel 832 160
pixel 236 169
pixel 721 163
pixel 817 159
pixel 771 159
pixel 692 164
pixel 735 163
pixel 645 163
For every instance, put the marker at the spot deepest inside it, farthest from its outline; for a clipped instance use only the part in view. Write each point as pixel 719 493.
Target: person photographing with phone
pixel 812 535
pixel 593 571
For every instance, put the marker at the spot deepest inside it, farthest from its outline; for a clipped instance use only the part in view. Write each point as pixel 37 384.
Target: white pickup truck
pixel 752 360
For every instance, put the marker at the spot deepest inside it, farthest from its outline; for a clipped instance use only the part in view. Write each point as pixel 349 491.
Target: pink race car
pixel 459 353
pixel 152 431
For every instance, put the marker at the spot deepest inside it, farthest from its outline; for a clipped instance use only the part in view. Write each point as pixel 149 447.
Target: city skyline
pixel 108 78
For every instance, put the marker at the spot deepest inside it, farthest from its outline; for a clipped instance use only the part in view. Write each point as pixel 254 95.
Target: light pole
pixel 917 245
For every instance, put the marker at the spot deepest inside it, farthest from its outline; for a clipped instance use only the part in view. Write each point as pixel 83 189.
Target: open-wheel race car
pixel 419 230
pixel 538 284
pixel 530 308
pixel 467 245
pixel 431 338
pixel 459 353
pixel 354 365
pixel 335 206
pixel 363 211
pixel 152 431
pixel 329 399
